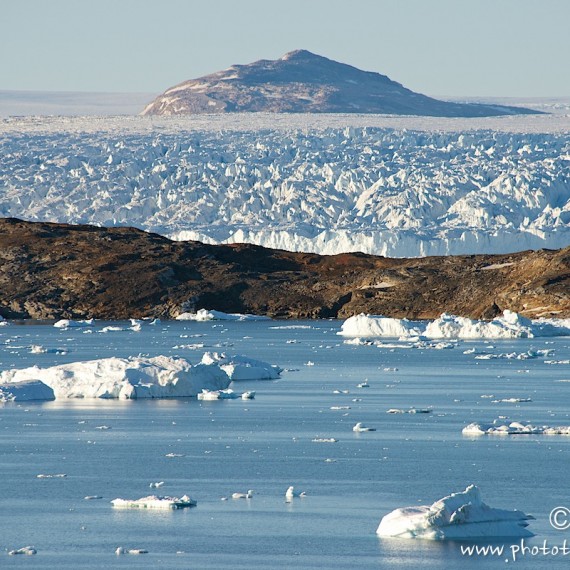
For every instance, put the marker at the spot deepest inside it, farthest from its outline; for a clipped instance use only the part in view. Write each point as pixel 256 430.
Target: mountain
pixel 57 270
pixel 302 82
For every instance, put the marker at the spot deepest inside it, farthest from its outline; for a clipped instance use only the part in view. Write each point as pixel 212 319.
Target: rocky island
pixel 51 270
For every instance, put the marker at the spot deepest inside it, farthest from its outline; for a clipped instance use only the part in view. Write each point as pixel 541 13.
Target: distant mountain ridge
pixel 302 82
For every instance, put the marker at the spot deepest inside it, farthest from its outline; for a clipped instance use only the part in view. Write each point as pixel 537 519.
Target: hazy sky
pixel 518 48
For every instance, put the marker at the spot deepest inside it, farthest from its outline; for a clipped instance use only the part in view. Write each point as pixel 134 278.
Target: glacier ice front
pixel 461 515
pixel 508 326
pixel 123 378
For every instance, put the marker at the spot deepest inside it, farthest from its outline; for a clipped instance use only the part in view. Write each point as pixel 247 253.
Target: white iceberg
pixel 459 516
pixel 240 367
pixel 155 502
pixel 508 326
pixel 25 391
pixel 123 378
pixel 68 323
pixel 371 326
pixel 228 394
pixel 212 315
pixel 514 428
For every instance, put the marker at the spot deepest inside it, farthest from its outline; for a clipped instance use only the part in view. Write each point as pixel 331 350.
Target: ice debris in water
pixel 28 550
pixel 155 502
pixel 290 494
pixel 460 515
pixel 247 495
pixel 212 315
pixel 239 367
pixel 513 428
pixel 360 427
pixel 509 325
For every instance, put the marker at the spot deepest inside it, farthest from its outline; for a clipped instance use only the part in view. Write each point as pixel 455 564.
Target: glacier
pixel 395 187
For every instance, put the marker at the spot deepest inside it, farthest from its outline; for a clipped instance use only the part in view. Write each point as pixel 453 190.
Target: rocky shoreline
pixel 50 271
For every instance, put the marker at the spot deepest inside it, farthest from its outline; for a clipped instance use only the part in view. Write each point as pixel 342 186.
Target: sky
pixel 478 48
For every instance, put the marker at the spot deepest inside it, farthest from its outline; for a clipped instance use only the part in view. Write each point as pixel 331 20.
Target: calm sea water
pixel 266 445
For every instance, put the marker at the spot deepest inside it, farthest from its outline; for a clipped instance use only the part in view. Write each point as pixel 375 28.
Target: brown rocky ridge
pixel 303 82
pixel 50 271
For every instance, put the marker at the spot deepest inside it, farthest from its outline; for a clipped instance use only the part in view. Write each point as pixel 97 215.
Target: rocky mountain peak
pixel 303 82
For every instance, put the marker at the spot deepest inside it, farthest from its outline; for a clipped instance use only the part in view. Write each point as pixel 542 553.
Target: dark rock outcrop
pixel 50 271
pixel 302 82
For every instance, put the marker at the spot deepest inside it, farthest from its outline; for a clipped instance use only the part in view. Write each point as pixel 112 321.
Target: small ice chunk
pixel 290 494
pixel 247 495
pixel 155 502
pixel 28 550
pixel 360 427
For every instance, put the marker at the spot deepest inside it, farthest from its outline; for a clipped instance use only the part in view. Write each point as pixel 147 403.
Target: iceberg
pixel 239 367
pixel 369 325
pixel 25 391
pixel 123 378
pixel 460 515
pixel 212 315
pixel 68 323
pixel 155 502
pixel 510 325
pixel 514 428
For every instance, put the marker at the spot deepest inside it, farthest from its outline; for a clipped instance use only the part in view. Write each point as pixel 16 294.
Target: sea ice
pixel 123 378
pixel 68 323
pixel 359 427
pixel 290 494
pixel 28 550
pixel 460 515
pixel 212 315
pixel 514 428
pixel 239 367
pixel 508 326
pixel 155 502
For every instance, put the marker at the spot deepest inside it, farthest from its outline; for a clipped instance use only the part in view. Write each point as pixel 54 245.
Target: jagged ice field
pixel 327 184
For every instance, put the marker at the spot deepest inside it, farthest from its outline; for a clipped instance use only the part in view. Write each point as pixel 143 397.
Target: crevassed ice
pixel 393 192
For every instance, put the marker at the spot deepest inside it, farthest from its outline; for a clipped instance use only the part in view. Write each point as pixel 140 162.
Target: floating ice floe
pixel 360 427
pixel 155 502
pixel 51 476
pixel 458 516
pixel 409 411
pixel 509 325
pixel 210 395
pixel 514 428
pixel 156 485
pixel 28 550
pixel 68 323
pixel 291 494
pixel 212 315
pixel 123 378
pixel 247 495
pixel 121 550
pixel 239 367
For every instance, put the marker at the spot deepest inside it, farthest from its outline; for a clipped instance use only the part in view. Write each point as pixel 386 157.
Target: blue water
pixel 266 445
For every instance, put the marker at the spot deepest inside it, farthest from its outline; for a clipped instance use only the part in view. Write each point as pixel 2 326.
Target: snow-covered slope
pixel 323 189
